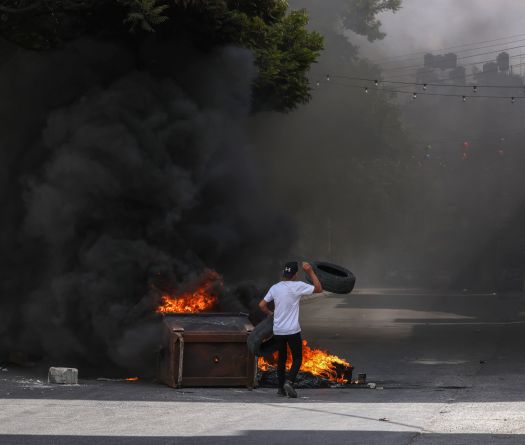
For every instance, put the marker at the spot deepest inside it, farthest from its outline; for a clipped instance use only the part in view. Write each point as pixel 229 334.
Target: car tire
pixel 263 331
pixel 333 278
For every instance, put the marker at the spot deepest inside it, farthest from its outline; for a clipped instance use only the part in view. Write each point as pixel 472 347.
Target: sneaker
pixel 281 392
pixel 289 390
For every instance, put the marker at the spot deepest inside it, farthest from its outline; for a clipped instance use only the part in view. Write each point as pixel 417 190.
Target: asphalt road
pixel 451 367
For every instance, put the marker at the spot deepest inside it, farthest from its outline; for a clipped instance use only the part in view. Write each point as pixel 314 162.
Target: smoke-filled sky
pixel 390 193
pixel 434 24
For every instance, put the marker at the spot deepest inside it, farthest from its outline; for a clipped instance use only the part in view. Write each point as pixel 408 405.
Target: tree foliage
pixel 282 46
pixel 145 14
pixel 361 16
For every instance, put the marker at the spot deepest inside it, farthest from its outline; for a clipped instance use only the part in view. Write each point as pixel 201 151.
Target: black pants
pixel 296 347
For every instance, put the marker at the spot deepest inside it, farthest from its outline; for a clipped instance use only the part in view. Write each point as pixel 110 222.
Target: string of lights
pixel 377 82
pixel 415 94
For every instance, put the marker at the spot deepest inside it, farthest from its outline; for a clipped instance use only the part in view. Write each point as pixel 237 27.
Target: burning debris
pixel 128 379
pixel 318 369
pixel 196 311
pixel 204 298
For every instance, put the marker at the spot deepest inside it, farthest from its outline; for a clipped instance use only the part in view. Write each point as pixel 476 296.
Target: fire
pixel 202 299
pixel 315 361
pixel 132 379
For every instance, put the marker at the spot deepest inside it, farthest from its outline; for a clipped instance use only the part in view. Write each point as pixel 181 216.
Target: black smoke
pixel 121 168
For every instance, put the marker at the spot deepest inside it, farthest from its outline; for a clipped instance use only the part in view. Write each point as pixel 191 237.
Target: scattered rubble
pixel 31 384
pixel 129 379
pixel 268 379
pixel 63 376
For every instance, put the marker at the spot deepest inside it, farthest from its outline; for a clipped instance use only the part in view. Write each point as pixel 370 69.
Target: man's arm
pixel 318 288
pixel 263 305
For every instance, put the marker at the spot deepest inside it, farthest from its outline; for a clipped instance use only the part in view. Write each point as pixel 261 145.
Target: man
pixel 287 332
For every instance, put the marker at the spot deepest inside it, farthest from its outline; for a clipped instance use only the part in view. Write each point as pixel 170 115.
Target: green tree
pixel 283 48
pixel 360 16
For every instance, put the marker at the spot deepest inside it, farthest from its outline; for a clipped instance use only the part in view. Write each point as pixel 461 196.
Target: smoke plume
pixel 121 169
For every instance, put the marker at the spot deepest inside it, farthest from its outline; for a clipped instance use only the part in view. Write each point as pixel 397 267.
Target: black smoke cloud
pixel 121 167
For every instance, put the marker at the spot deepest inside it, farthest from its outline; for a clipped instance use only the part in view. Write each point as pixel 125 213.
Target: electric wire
pixel 452 47
pixel 396 68
pixel 457 52
pixel 401 75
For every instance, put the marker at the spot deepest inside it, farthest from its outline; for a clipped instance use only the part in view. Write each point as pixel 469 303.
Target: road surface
pixel 451 366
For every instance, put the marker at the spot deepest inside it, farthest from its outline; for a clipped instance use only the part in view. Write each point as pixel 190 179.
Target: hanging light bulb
pixel 424 87
pixel 328 77
pixel 366 89
pixel 376 83
pixel 475 89
pixel 512 100
pixel 464 98
pixel 414 95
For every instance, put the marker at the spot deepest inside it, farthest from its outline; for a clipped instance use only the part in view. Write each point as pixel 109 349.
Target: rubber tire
pixel 260 333
pixel 333 278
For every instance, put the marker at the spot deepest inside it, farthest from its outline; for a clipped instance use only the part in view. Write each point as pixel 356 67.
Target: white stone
pixel 64 376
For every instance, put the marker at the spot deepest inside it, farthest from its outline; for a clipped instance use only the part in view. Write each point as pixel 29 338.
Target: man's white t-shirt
pixel 286 296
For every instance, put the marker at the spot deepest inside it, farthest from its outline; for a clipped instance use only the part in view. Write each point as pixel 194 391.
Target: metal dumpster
pixel 206 349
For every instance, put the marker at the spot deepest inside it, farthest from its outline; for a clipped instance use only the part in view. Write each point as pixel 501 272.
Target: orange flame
pixel 199 300
pixel 315 361
pixel 132 379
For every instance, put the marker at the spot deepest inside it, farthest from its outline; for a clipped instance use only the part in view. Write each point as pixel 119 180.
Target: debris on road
pixel 28 383
pixel 361 379
pixel 63 376
pixel 129 379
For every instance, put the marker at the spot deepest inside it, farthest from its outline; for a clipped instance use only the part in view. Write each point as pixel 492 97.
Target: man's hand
pixel 307 267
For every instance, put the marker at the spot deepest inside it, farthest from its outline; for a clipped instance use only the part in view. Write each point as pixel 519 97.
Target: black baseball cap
pixel 290 269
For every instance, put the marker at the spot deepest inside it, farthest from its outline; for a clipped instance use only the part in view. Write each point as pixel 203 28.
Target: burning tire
pixel 334 278
pixel 263 331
